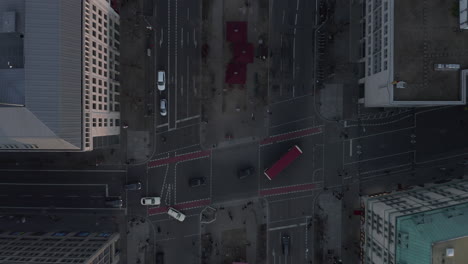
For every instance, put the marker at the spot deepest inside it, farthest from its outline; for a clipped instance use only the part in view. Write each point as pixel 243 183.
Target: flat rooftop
pixel 460 251
pixel 423 39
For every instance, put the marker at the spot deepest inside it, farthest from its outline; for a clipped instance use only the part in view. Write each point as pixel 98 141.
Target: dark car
pixel 244 173
pixel 114 202
pixel 195 182
pixel 160 258
pixel 133 186
pixel 285 244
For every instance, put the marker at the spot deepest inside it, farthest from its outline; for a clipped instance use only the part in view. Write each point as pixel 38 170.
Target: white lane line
pixel 162 125
pixel 350 148
pixel 162 37
pixel 52 184
pixel 194 39
pixel 295 20
pixel 284 13
pixel 65 170
pixel 381 157
pixel 197 234
pixel 297 6
pixel 182 37
pixel 182 86
pixel 282 227
pixel 443 158
pixel 187 118
pixel 176 61
pixel 382 133
pixel 188 78
pixel 297 120
pixel 188 14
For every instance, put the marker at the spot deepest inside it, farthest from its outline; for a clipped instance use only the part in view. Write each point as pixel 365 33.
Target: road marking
pixel 284 13
pixel 73 196
pixel 350 148
pixel 181 88
pixel 162 36
pixel 176 62
pixel 291 99
pixel 382 133
pixel 295 22
pixel 65 170
pixel 286 227
pixel 297 6
pixel 188 14
pixel 164 181
pixel 443 158
pixel 291 135
pixel 194 39
pixel 162 125
pixel 376 158
pixel 182 38
pixel 184 157
pixel 188 77
pixel 187 118
pixel 297 120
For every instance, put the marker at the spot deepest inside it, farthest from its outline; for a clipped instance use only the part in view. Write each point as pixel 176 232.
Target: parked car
pixel 161 80
pixel 114 202
pixel 176 214
pixel 133 186
pixel 285 244
pixel 246 172
pixel 195 182
pixel 150 201
pixel 160 258
pixel 163 107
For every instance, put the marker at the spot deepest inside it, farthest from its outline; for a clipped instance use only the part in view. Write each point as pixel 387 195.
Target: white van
pixel 176 214
pixel 161 80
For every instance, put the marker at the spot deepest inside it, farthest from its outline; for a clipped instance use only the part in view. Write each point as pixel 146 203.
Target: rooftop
pixel 420 233
pixel 458 246
pixel 426 34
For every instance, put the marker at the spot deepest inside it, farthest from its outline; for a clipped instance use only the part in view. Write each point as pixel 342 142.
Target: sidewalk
pixel 137 88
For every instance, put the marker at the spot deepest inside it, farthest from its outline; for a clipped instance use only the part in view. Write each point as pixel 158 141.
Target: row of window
pixel 102 122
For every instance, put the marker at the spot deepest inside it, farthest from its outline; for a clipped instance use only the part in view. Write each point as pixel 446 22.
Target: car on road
pixel 161 80
pixel 133 186
pixel 196 182
pixel 150 201
pixel 244 173
pixel 285 244
pixel 163 107
pixel 176 214
pixel 160 258
pixel 116 202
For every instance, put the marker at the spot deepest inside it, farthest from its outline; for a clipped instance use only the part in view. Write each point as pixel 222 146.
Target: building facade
pixel 59 75
pixel 402 45
pixel 417 226
pixel 59 247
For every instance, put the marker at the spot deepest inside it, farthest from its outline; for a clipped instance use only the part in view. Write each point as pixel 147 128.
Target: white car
pixel 176 214
pixel 163 107
pixel 150 201
pixel 161 80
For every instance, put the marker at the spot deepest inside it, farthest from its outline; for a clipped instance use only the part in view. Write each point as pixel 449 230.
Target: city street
pixel 230 216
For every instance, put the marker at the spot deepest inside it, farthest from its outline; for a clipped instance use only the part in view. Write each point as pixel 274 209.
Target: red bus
pixel 283 162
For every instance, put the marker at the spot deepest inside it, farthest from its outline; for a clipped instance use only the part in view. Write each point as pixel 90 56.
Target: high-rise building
pixel 59 75
pixel 421 225
pixel 62 247
pixel 412 54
